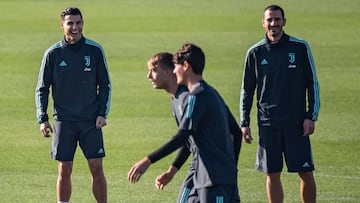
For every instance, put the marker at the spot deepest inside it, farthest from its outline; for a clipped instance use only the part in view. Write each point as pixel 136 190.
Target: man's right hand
pixel 46 129
pixel 247 138
pixel 163 179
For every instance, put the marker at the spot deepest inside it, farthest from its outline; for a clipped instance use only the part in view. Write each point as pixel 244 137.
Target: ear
pixel 263 22
pixel 186 65
pixel 284 21
pixel 62 24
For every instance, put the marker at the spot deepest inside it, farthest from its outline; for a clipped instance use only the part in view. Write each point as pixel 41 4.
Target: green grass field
pixel 140 118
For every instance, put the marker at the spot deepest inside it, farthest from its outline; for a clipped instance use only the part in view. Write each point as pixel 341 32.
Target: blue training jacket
pixel 79 80
pixel 285 79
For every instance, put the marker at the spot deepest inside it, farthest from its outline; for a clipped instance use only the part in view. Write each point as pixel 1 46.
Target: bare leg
pixel 98 180
pixel 274 188
pixel 307 187
pixel 63 187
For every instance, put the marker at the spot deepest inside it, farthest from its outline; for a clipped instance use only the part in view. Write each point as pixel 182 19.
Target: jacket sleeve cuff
pixel 310 117
pixel 101 113
pixel 43 118
pixel 244 124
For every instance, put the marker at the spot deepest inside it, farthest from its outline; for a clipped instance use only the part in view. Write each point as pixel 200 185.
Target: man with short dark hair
pixel 281 69
pixel 161 76
pixel 204 126
pixel 76 70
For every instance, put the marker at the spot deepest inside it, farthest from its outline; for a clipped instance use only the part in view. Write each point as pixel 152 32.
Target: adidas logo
pixel 306 165
pixel 62 64
pixel 101 151
pixel 264 62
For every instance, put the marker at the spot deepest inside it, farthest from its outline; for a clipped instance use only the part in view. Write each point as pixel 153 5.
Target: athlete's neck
pixel 172 88
pixel 193 81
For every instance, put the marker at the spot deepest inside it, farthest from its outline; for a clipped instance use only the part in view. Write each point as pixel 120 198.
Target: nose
pixel 75 26
pixel 273 22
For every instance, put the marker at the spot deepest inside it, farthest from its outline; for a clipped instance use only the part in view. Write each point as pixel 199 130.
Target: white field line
pixel 332 176
pixel 337 199
pixel 315 174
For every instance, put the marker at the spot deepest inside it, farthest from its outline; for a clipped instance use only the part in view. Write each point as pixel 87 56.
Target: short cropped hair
pixel 275 8
pixel 193 55
pixel 70 11
pixel 162 60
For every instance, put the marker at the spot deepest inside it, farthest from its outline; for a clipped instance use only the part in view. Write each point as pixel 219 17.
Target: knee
pixel 96 168
pixel 65 169
pixel 307 176
pixel 273 176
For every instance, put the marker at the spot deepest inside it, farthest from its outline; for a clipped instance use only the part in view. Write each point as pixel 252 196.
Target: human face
pixel 179 72
pixel 273 22
pixel 72 26
pixel 158 77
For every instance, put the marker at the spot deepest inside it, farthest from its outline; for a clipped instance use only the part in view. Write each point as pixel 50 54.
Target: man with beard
pixel 281 69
